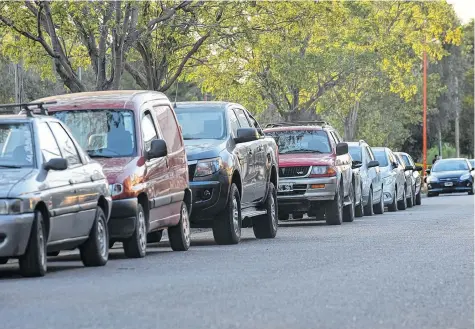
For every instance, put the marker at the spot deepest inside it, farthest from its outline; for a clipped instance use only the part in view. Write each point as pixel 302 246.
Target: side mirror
pixel 158 149
pixel 418 168
pixel 428 171
pixel 341 149
pixel 395 165
pixel 373 164
pixel 56 164
pixel 472 169
pixel 409 168
pixel 245 135
pixel 356 165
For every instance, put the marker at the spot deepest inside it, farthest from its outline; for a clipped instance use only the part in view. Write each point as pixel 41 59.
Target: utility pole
pixel 424 113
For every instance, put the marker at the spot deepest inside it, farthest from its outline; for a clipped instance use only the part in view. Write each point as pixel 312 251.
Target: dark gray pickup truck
pixel 233 170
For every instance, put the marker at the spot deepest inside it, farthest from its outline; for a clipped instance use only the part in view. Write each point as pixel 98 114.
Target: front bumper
pixel 123 217
pixel 15 232
pixel 457 187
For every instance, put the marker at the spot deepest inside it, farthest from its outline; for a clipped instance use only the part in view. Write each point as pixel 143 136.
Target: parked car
pixel 371 181
pixel 472 162
pixel 450 176
pixel 410 186
pixel 233 170
pixel 135 136
pixel 315 172
pixel 53 196
pixel 394 179
pixel 416 176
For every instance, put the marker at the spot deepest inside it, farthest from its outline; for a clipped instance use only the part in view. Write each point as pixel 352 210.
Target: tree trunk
pixel 440 139
pixel 457 134
pixel 350 122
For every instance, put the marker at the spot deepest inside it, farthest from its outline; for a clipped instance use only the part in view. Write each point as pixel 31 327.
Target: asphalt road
pixel 410 269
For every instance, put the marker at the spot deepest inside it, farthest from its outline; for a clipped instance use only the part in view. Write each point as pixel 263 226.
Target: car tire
pixel 368 209
pixel 155 237
pixel 359 210
pixel 265 226
pixel 418 198
pixel 227 225
pixel 3 260
pixel 33 263
pixel 53 254
pixel 349 210
pixel 402 204
pixel 410 200
pixel 180 235
pixel 136 245
pixel 379 207
pixel 95 251
pixel 334 209
pixel 393 206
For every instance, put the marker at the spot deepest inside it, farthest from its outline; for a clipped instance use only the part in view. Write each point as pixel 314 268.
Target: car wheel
pixel 95 251
pixel 410 200
pixel 349 210
pixel 402 204
pixel 359 211
pixel 379 207
pixel 265 226
pixel 334 209
pixel 393 206
pixel 3 260
pixel 179 235
pixel 154 237
pixel 136 245
pixel 33 262
pixel 227 225
pixel 53 253
pixel 368 209
pixel 418 198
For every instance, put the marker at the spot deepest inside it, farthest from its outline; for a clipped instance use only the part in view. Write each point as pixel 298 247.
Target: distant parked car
pixel 413 170
pixel 394 179
pixel 371 181
pixel 450 176
pixel 315 172
pixel 53 196
pixel 410 186
pixel 136 137
pixel 233 170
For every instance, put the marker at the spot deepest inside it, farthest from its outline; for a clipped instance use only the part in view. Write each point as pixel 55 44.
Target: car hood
pixel 449 174
pixel 305 159
pixel 197 149
pixel 11 177
pixel 113 167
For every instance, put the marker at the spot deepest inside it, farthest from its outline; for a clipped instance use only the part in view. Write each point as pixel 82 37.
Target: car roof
pixel 355 144
pixel 119 98
pixel 23 118
pixel 381 148
pixel 292 128
pixel 211 105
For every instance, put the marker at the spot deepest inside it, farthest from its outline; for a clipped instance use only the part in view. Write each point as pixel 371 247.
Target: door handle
pixel 249 152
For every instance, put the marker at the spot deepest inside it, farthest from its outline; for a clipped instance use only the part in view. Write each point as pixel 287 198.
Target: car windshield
pixel 201 123
pixel 450 165
pixel 381 157
pixel 16 145
pixel 102 133
pixel 355 152
pixel 301 141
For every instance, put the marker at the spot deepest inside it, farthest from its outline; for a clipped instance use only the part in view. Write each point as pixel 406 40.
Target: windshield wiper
pixel 10 166
pixel 101 156
pixel 190 138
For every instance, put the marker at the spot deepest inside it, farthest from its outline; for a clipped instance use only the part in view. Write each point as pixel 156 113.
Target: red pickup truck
pixel 315 172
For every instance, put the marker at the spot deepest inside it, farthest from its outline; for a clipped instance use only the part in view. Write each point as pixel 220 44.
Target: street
pixel 409 269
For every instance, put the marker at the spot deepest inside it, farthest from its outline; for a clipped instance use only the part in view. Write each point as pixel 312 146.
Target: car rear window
pixel 16 145
pixel 102 133
pixel 301 141
pixel 201 123
pixel 381 157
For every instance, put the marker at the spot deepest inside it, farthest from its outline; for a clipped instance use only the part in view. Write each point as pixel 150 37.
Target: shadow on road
pixel 11 271
pixel 300 223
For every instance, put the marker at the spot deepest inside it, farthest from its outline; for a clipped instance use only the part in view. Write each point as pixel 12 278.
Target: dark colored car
pixel 233 170
pixel 450 176
pixel 53 196
pixel 315 172
pixel 135 136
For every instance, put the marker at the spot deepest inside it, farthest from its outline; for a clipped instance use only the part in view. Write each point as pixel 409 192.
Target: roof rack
pixel 298 123
pixel 26 108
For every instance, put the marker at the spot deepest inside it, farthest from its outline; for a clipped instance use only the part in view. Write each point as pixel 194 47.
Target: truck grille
pixel 191 171
pixel 293 171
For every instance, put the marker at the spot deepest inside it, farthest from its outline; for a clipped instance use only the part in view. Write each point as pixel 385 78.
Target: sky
pixel 465 9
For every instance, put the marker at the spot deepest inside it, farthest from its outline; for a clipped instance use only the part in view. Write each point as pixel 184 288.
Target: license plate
pixel 449 184
pixel 285 187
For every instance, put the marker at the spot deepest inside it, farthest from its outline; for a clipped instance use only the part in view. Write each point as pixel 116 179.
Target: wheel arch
pixel 43 209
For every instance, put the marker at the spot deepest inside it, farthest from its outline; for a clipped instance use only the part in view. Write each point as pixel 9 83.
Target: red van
pixel 136 137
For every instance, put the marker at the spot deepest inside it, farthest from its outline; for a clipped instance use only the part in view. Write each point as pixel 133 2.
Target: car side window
pixel 148 130
pixel 243 122
pixel 49 146
pixel 66 144
pixel 254 123
pixel 391 158
pixel 169 127
pixel 331 137
pixel 337 136
pixel 233 120
pixel 367 155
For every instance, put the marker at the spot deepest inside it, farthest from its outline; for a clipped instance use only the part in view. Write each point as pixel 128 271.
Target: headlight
pixel 208 167
pixel 432 179
pixel 388 180
pixel 10 206
pixel 465 177
pixel 322 171
pixel 116 189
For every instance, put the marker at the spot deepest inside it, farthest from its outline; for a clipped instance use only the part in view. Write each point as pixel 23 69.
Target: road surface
pixel 410 269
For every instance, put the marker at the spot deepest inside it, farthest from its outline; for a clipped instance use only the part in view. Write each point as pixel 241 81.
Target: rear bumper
pixel 14 234
pixel 123 217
